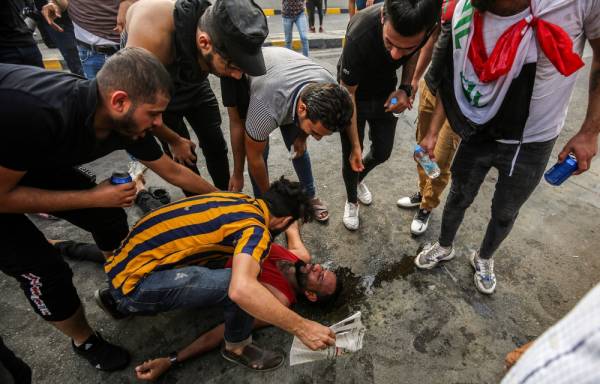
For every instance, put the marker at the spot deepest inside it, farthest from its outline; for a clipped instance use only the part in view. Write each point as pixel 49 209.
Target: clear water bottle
pixel 561 171
pixel 429 166
pixel 394 101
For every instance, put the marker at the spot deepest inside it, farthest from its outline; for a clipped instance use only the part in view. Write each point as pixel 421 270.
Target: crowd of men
pixel 499 77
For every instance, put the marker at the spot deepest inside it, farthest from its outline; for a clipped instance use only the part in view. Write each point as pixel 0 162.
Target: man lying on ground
pixel 286 273
pixel 162 266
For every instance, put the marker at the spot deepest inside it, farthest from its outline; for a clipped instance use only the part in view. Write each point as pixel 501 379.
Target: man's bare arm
pixel 236 132
pixel 295 244
pixel 155 16
pixel 256 300
pixel 352 132
pixel 585 143
pixel 15 198
pixel 424 60
pixel 182 148
pixel 176 174
pixel 256 162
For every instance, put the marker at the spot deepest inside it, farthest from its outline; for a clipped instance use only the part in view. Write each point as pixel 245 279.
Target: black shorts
pixel 46 279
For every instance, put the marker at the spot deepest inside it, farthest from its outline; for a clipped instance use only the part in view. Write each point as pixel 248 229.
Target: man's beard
pixel 208 59
pixel 301 277
pixel 125 126
pixel 483 5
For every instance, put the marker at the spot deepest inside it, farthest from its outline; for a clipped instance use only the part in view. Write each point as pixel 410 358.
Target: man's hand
pixel 152 369
pixel 108 195
pixel 121 15
pixel 584 146
pixel 183 151
pixel 428 144
pixel 299 146
pixel 403 103
pixel 52 12
pixel 236 183
pixel 314 335
pixel 356 160
pixel 369 3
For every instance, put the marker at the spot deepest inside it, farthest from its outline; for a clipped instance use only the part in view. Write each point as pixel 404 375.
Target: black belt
pixel 104 49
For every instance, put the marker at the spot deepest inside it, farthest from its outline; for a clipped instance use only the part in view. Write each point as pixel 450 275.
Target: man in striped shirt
pixel 163 265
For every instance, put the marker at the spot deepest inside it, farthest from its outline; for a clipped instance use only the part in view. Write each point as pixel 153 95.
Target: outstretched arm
pixel 295 244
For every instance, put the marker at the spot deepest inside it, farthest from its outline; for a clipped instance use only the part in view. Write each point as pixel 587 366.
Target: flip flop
pixel 321 211
pixel 255 358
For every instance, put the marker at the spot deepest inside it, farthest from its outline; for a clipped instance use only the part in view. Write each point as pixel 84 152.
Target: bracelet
pixel 173 359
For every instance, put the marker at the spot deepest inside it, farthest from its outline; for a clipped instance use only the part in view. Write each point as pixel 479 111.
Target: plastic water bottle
pixel 561 171
pixel 120 178
pixel 429 166
pixel 394 101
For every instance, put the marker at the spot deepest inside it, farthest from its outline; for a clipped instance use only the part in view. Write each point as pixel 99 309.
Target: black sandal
pixel 255 358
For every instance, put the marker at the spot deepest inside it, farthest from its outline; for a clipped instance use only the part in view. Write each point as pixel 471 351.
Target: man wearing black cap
pixel 193 38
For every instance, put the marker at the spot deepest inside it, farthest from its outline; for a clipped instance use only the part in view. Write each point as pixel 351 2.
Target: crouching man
pixel 163 265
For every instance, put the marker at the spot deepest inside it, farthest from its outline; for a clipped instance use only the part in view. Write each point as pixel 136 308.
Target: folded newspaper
pixel 349 334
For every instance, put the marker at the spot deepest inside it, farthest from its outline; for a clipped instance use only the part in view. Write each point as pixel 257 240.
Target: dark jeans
pixel 471 164
pixel 310 8
pixel 28 55
pixel 65 42
pixel 187 287
pixel 27 256
pixel 205 120
pixel 382 129
pixel 301 164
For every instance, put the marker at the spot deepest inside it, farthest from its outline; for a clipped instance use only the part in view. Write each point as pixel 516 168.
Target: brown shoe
pixel 321 30
pixel 312 29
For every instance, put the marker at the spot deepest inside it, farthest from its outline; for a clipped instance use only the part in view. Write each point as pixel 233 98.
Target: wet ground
pixel 423 327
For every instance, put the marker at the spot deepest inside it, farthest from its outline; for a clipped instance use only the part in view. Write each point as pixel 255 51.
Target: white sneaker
pixel 484 277
pixel 420 222
pixel 364 195
pixel 351 216
pixel 431 255
pixel 410 201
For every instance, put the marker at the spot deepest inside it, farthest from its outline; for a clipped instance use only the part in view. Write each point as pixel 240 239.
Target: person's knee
pixel 459 197
pixel 504 217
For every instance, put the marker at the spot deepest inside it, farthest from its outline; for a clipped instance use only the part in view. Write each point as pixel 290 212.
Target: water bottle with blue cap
pixel 429 166
pixel 394 101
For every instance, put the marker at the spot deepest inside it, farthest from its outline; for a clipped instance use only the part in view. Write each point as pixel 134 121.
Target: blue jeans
pixel 91 61
pixel 188 287
pixel 301 164
pixel 302 25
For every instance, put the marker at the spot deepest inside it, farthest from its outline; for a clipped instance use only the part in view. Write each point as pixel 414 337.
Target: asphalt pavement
pixel 422 327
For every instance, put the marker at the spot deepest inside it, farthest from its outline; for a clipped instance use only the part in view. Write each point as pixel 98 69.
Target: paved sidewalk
pixel 333 37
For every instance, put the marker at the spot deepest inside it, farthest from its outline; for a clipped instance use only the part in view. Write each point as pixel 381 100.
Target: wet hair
pixel 289 198
pixel 327 300
pixel 410 17
pixel 329 103
pixel 323 301
pixel 137 72
pixel 482 5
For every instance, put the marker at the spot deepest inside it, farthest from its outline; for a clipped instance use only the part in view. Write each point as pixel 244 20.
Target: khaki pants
pixel 447 143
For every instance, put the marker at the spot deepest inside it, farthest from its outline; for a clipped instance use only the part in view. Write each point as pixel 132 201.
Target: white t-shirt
pixel 551 90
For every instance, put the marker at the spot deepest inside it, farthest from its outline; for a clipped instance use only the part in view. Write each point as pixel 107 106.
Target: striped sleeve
pixel 255 241
pixel 259 121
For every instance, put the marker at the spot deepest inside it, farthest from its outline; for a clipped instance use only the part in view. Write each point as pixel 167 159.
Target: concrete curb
pixel 330 11
pixel 324 43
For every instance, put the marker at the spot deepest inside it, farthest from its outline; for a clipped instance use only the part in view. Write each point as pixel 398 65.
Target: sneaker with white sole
pixel 351 216
pixel 484 277
pixel 364 195
pixel 410 201
pixel 431 255
pixel 420 222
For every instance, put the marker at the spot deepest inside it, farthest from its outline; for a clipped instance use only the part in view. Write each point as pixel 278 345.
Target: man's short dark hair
pixel 411 17
pixel 137 72
pixel 329 103
pixel 289 198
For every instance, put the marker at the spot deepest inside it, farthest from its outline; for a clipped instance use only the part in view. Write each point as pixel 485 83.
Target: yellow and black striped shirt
pixel 195 230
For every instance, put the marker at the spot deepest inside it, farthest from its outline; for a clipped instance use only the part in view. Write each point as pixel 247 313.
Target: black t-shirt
pixel 236 93
pixel 365 61
pixel 47 121
pixel 13 30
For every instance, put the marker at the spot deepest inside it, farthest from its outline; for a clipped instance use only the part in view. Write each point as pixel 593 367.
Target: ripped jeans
pixel 188 287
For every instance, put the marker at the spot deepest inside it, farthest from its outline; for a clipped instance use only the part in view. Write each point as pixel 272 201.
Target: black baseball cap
pixel 238 29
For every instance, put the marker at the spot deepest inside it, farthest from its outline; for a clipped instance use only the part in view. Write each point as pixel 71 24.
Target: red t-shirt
pixel 270 274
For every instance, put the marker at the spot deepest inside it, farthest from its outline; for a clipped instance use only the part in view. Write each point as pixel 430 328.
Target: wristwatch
pixel 407 88
pixel 173 359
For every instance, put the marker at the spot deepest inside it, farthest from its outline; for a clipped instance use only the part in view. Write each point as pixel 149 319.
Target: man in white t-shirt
pixel 509 108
